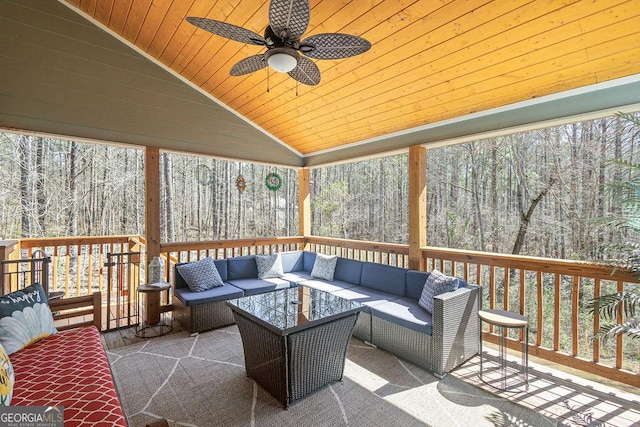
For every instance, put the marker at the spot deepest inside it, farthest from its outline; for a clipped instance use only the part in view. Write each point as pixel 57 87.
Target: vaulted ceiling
pixel 436 69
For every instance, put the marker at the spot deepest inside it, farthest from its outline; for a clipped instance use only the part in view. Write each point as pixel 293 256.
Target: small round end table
pixel 152 325
pixel 505 320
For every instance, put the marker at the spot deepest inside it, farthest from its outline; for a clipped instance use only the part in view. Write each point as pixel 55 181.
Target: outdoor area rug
pixel 201 381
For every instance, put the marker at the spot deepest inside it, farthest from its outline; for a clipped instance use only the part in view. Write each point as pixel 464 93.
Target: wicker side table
pixel 152 325
pixel 505 320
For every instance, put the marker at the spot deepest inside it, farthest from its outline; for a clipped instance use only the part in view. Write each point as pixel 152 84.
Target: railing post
pixel 152 217
pixel 417 205
pixel 304 205
pixel 152 200
pixel 9 249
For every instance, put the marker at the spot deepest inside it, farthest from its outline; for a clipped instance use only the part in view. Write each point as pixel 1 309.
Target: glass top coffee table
pixel 295 340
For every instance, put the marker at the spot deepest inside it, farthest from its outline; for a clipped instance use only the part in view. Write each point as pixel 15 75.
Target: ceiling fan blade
pixel 306 72
pixel 289 19
pixel 333 46
pixel 248 65
pixel 229 31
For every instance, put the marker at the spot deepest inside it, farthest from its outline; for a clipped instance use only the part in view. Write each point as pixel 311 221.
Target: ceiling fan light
pixel 281 59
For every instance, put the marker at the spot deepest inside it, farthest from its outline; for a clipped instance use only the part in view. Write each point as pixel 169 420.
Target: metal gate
pixel 123 278
pixel 20 273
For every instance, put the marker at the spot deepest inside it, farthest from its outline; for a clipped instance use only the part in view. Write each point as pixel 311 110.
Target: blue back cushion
pixel 242 267
pixel 221 265
pixel 178 280
pixel 308 259
pixel 348 270
pixel 292 261
pixel 415 283
pixel 384 278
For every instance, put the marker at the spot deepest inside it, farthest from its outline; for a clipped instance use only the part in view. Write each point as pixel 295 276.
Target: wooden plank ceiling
pixel 430 60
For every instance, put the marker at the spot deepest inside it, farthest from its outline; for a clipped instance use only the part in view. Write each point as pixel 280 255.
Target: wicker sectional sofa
pixel 392 320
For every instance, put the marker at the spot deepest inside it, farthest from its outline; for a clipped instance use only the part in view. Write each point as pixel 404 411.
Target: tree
pixel 620 310
pixel 24 149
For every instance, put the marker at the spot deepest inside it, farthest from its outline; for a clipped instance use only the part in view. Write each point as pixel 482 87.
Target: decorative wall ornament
pixel 241 184
pixel 273 181
pixel 204 175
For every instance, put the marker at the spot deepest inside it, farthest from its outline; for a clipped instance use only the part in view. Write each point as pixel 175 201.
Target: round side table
pixel 152 325
pixel 505 320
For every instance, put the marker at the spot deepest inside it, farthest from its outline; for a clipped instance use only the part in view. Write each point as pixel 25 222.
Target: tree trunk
pixel 168 197
pixel 24 149
pixel 525 218
pixel 41 207
pixel 72 210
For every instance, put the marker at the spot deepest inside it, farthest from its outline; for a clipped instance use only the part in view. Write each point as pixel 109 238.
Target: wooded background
pixel 536 193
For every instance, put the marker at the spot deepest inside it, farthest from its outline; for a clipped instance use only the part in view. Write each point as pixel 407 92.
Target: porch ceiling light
pixel 282 59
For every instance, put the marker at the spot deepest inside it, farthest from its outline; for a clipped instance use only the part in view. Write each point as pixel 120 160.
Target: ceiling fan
pixel 288 20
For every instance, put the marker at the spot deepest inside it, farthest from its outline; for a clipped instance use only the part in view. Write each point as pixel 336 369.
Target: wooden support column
pixel 152 225
pixel 304 204
pixel 417 205
pixel 9 249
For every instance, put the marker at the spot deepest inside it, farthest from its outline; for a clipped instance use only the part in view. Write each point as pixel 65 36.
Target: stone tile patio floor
pixel 567 397
pixel 571 397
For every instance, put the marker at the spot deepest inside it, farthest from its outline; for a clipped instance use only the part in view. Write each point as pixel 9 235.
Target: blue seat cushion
pixel 348 270
pixel 323 285
pixel 296 276
pixel 242 267
pixel 385 278
pixel 367 296
pixel 219 293
pixel 405 312
pixel 292 261
pixel 258 286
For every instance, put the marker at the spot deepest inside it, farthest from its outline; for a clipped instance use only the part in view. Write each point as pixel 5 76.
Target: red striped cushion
pixel 69 368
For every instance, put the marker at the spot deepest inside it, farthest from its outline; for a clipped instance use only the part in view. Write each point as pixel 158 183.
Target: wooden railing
pixel 382 253
pixel 78 268
pixel 551 293
pixel 173 253
pixel 77 263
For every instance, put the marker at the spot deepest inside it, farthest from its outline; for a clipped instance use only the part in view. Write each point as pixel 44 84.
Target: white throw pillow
pixel 269 266
pixel 200 275
pixel 25 318
pixel 436 284
pixel 7 378
pixel 324 266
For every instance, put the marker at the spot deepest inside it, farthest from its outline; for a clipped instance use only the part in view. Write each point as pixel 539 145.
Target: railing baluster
pixel 507 284
pixel 619 337
pixel 556 312
pixel 574 313
pixel 596 321
pixel 540 291
pixel 492 287
pixel 67 259
pixel 523 292
pixel 78 267
pixel 90 270
pixel 54 260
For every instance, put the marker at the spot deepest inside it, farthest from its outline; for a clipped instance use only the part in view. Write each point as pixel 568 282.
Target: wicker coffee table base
pixel 293 366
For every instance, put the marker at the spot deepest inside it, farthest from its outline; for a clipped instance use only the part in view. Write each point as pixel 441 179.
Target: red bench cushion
pixel 70 369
